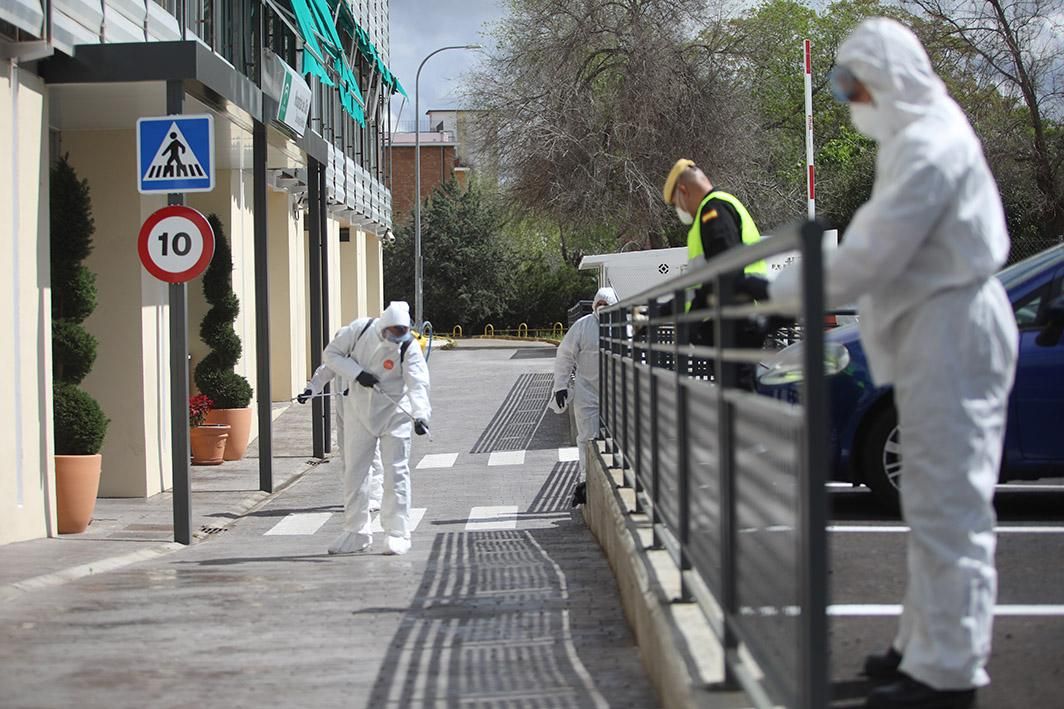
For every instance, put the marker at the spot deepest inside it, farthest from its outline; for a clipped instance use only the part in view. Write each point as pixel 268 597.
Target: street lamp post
pixel 419 311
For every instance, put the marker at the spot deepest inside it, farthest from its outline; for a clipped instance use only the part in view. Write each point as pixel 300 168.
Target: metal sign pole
pixel 182 493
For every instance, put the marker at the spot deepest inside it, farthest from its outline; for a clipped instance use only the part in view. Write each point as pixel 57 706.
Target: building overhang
pixel 206 76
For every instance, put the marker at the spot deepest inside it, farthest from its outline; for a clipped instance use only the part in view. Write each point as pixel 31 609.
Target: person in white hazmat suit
pixel 379 359
pixel 919 259
pixel 578 355
pixel 322 376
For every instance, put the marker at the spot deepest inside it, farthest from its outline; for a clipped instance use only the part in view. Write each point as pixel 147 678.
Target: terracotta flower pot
pixel 77 482
pixel 239 421
pixel 208 443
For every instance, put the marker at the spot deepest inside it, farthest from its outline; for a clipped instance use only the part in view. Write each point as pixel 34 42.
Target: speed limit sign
pixel 175 244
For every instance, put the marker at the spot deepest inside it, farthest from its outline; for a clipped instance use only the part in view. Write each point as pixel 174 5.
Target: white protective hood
pixel 397 313
pixel 934 221
pixel 607 295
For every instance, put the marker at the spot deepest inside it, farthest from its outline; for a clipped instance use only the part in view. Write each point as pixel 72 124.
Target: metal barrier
pixel 456 331
pixel 733 482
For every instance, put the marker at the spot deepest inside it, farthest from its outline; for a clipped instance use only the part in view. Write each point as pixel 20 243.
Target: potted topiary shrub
pixel 79 421
pixel 207 440
pixel 215 377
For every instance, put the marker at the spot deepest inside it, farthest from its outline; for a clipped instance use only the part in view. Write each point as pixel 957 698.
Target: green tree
pixel 80 423
pixel 467 274
pixel 214 374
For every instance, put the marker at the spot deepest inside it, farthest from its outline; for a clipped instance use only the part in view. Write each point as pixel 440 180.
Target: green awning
pixel 323 54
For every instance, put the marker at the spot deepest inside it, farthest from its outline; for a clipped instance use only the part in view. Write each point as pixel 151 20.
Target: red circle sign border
pixel 201 224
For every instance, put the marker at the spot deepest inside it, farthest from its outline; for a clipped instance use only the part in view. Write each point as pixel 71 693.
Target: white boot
pixel 350 543
pixel 398 545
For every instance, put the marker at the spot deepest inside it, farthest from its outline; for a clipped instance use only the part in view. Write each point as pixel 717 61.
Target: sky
pixel 422 26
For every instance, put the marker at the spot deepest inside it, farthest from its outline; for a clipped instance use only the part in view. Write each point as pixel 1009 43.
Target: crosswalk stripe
pixel 416 515
pixel 300 523
pixel 566 455
pixel 507 458
pixel 437 460
pixel 482 519
pixel 890 609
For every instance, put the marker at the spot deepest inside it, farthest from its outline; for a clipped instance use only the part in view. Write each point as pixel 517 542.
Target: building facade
pixel 299 94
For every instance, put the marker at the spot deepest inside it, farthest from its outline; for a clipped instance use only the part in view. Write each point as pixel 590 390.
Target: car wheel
pixel 881 457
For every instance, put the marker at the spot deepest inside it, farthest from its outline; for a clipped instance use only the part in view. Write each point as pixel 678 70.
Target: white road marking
pixel 416 515
pixel 566 455
pixel 483 519
pixel 507 458
pixel 438 460
pixel 300 523
pixel 902 529
pixel 889 609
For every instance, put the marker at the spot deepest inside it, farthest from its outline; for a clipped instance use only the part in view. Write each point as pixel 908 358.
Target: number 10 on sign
pixel 175 244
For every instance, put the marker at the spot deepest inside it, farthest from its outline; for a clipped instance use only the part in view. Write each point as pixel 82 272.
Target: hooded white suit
pixel 579 353
pixel 919 258
pixel 370 418
pixel 322 376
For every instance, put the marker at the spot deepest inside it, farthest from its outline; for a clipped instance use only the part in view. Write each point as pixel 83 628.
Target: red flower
pixel 198 406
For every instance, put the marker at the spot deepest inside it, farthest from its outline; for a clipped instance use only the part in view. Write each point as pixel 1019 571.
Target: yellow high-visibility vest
pixel 747 230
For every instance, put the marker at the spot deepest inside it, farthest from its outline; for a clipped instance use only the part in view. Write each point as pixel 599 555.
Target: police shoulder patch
pixel 709 216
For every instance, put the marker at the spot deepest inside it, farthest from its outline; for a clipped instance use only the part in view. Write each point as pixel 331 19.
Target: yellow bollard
pixel 456 332
pixel 489 330
pixel 522 330
pixel 558 330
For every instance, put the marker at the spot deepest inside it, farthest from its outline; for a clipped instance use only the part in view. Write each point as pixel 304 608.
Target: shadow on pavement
pixel 521 617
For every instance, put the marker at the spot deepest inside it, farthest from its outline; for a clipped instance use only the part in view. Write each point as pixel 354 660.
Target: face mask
pixel 868 121
pixel 399 339
pixel 684 216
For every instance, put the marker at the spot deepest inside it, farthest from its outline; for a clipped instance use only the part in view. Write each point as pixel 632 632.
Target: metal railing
pixel 733 482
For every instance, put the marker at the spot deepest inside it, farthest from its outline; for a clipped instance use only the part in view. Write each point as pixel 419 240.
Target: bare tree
pixel 1017 48
pixel 587 104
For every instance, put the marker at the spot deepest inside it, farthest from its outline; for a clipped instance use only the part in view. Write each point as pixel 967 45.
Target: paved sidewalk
pixel 126 530
pixel 503 600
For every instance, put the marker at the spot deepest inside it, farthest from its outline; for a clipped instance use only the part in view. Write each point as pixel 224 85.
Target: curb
pixel 680 651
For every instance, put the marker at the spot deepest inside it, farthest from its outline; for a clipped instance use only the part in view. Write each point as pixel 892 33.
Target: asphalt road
pixel 868 580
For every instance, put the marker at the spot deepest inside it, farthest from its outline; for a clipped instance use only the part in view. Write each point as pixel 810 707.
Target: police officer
pixel 718 220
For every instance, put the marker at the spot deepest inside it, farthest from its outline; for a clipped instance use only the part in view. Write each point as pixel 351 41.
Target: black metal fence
pixel 733 482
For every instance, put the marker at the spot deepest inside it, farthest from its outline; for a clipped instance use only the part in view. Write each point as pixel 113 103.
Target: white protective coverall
pixel 322 376
pixel 919 259
pixel 370 418
pixel 578 353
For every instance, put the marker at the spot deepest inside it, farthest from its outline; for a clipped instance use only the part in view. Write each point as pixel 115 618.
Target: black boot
pixel 883 666
pixel 907 693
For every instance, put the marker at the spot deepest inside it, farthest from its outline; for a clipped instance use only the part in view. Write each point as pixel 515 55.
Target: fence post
pixel 727 378
pixel 813 495
pixel 654 311
pixel 682 339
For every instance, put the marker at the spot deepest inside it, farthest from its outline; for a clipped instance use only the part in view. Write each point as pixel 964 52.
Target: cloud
pixel 419 27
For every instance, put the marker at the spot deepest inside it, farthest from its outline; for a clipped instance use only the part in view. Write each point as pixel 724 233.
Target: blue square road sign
pixel 175 154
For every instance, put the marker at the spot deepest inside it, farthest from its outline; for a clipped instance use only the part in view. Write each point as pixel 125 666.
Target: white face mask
pixel 868 121
pixel 684 216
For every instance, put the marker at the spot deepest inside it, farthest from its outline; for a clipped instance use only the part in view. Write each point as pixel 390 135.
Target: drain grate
pixel 515 423
pixel 212 530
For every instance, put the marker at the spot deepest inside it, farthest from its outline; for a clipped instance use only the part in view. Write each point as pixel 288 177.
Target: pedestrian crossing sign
pixel 175 154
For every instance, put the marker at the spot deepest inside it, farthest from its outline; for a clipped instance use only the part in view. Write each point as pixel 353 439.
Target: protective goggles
pixel 842 84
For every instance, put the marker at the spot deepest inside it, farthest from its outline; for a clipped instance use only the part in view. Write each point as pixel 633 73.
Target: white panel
pixel 162 26
pixel 68 32
pixel 117 28
pixel 132 10
pixel 27 15
pixel 87 13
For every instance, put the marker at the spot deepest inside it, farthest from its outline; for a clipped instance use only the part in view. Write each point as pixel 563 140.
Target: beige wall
pixel 352 279
pixel 375 276
pixel 27 475
pixel 288 306
pixel 130 378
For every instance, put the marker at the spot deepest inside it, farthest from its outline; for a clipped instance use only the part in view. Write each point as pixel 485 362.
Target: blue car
pixel 864 441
